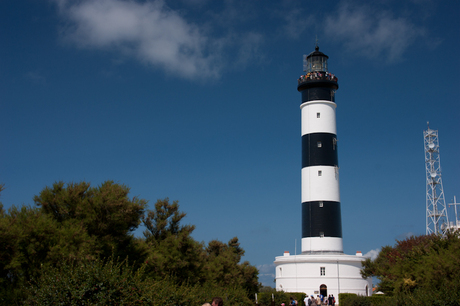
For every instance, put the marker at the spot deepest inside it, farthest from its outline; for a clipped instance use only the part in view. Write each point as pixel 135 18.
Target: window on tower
pixel 322 271
pixel 320 173
pixel 319 144
pixel 318 115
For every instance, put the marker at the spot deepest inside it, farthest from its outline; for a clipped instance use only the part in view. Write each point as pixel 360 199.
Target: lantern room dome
pixel 317 53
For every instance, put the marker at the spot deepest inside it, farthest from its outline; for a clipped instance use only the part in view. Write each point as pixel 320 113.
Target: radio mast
pixel 436 213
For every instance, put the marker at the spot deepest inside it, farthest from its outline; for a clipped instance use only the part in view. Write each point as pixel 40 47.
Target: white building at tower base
pixel 323 274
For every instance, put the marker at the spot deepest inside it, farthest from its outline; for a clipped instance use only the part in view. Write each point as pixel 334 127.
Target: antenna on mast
pixel 456 217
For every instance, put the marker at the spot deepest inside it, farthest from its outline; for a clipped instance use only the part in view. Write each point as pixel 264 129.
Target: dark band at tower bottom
pixel 321 218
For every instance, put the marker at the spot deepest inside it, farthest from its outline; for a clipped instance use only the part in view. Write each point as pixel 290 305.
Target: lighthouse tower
pixel 322 267
pixel 321 218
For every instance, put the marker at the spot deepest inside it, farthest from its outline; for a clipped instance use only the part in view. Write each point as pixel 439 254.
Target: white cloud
pixel 405 236
pixel 266 274
pixel 295 23
pixel 149 31
pixel 372 32
pixel 268 269
pixel 372 254
pixel 36 77
pixel 248 47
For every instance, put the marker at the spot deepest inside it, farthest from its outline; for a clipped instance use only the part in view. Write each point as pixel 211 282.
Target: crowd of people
pixel 320 300
pixel 317 75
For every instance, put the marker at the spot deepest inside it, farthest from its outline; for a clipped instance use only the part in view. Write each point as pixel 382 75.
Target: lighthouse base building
pixel 322 268
pixel 321 274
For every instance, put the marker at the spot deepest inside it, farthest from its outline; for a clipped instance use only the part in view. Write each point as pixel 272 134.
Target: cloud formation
pixel 35 77
pixel 372 254
pixel 266 274
pixel 405 236
pixel 374 33
pixel 149 30
pixel 200 41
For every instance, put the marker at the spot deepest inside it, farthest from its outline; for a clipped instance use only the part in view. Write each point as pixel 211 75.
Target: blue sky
pixel 197 101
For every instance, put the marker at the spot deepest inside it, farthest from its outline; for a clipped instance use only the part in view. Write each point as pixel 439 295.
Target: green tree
pixel 164 221
pixel 174 253
pixel 75 222
pixel 76 227
pixel 418 266
pixel 224 268
pixel 172 250
pixel 29 238
pixel 105 212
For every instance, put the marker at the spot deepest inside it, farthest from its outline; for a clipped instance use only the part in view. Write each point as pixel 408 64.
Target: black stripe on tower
pixel 319 149
pixel 318 90
pixel 321 219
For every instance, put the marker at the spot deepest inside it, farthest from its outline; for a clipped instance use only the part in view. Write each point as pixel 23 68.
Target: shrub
pixel 351 299
pixel 381 300
pixel 265 298
pixel 91 282
pixel 348 299
pixel 95 282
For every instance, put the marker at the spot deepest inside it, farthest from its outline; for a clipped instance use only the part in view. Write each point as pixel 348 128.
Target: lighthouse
pixel 321 218
pixel 322 268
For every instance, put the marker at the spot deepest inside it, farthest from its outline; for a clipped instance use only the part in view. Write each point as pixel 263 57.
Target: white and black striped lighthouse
pixel 321 217
pixel 322 267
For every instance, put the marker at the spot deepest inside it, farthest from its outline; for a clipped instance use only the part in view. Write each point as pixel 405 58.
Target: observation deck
pixel 317 79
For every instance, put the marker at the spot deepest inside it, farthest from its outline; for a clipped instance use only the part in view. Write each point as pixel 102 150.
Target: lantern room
pixel 316 61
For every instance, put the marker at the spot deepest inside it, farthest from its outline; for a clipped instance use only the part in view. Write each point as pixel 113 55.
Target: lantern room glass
pixel 316 63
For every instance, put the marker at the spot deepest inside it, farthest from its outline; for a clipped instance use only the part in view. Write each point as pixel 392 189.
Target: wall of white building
pixel 340 273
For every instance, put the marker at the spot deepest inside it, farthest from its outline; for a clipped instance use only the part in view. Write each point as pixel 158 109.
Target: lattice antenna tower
pixel 436 211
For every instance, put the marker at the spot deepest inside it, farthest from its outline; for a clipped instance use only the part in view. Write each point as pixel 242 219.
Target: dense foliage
pixel 419 270
pixel 270 296
pixel 93 282
pixel 77 245
pixel 351 299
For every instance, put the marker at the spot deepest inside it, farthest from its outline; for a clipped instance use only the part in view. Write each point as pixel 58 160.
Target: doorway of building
pixel 323 290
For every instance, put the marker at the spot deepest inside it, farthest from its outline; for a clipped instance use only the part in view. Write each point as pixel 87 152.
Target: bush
pixel 382 300
pixel 344 297
pixel 166 292
pixel 95 282
pixel 265 298
pixel 351 299
pixel 87 283
pixel 446 296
